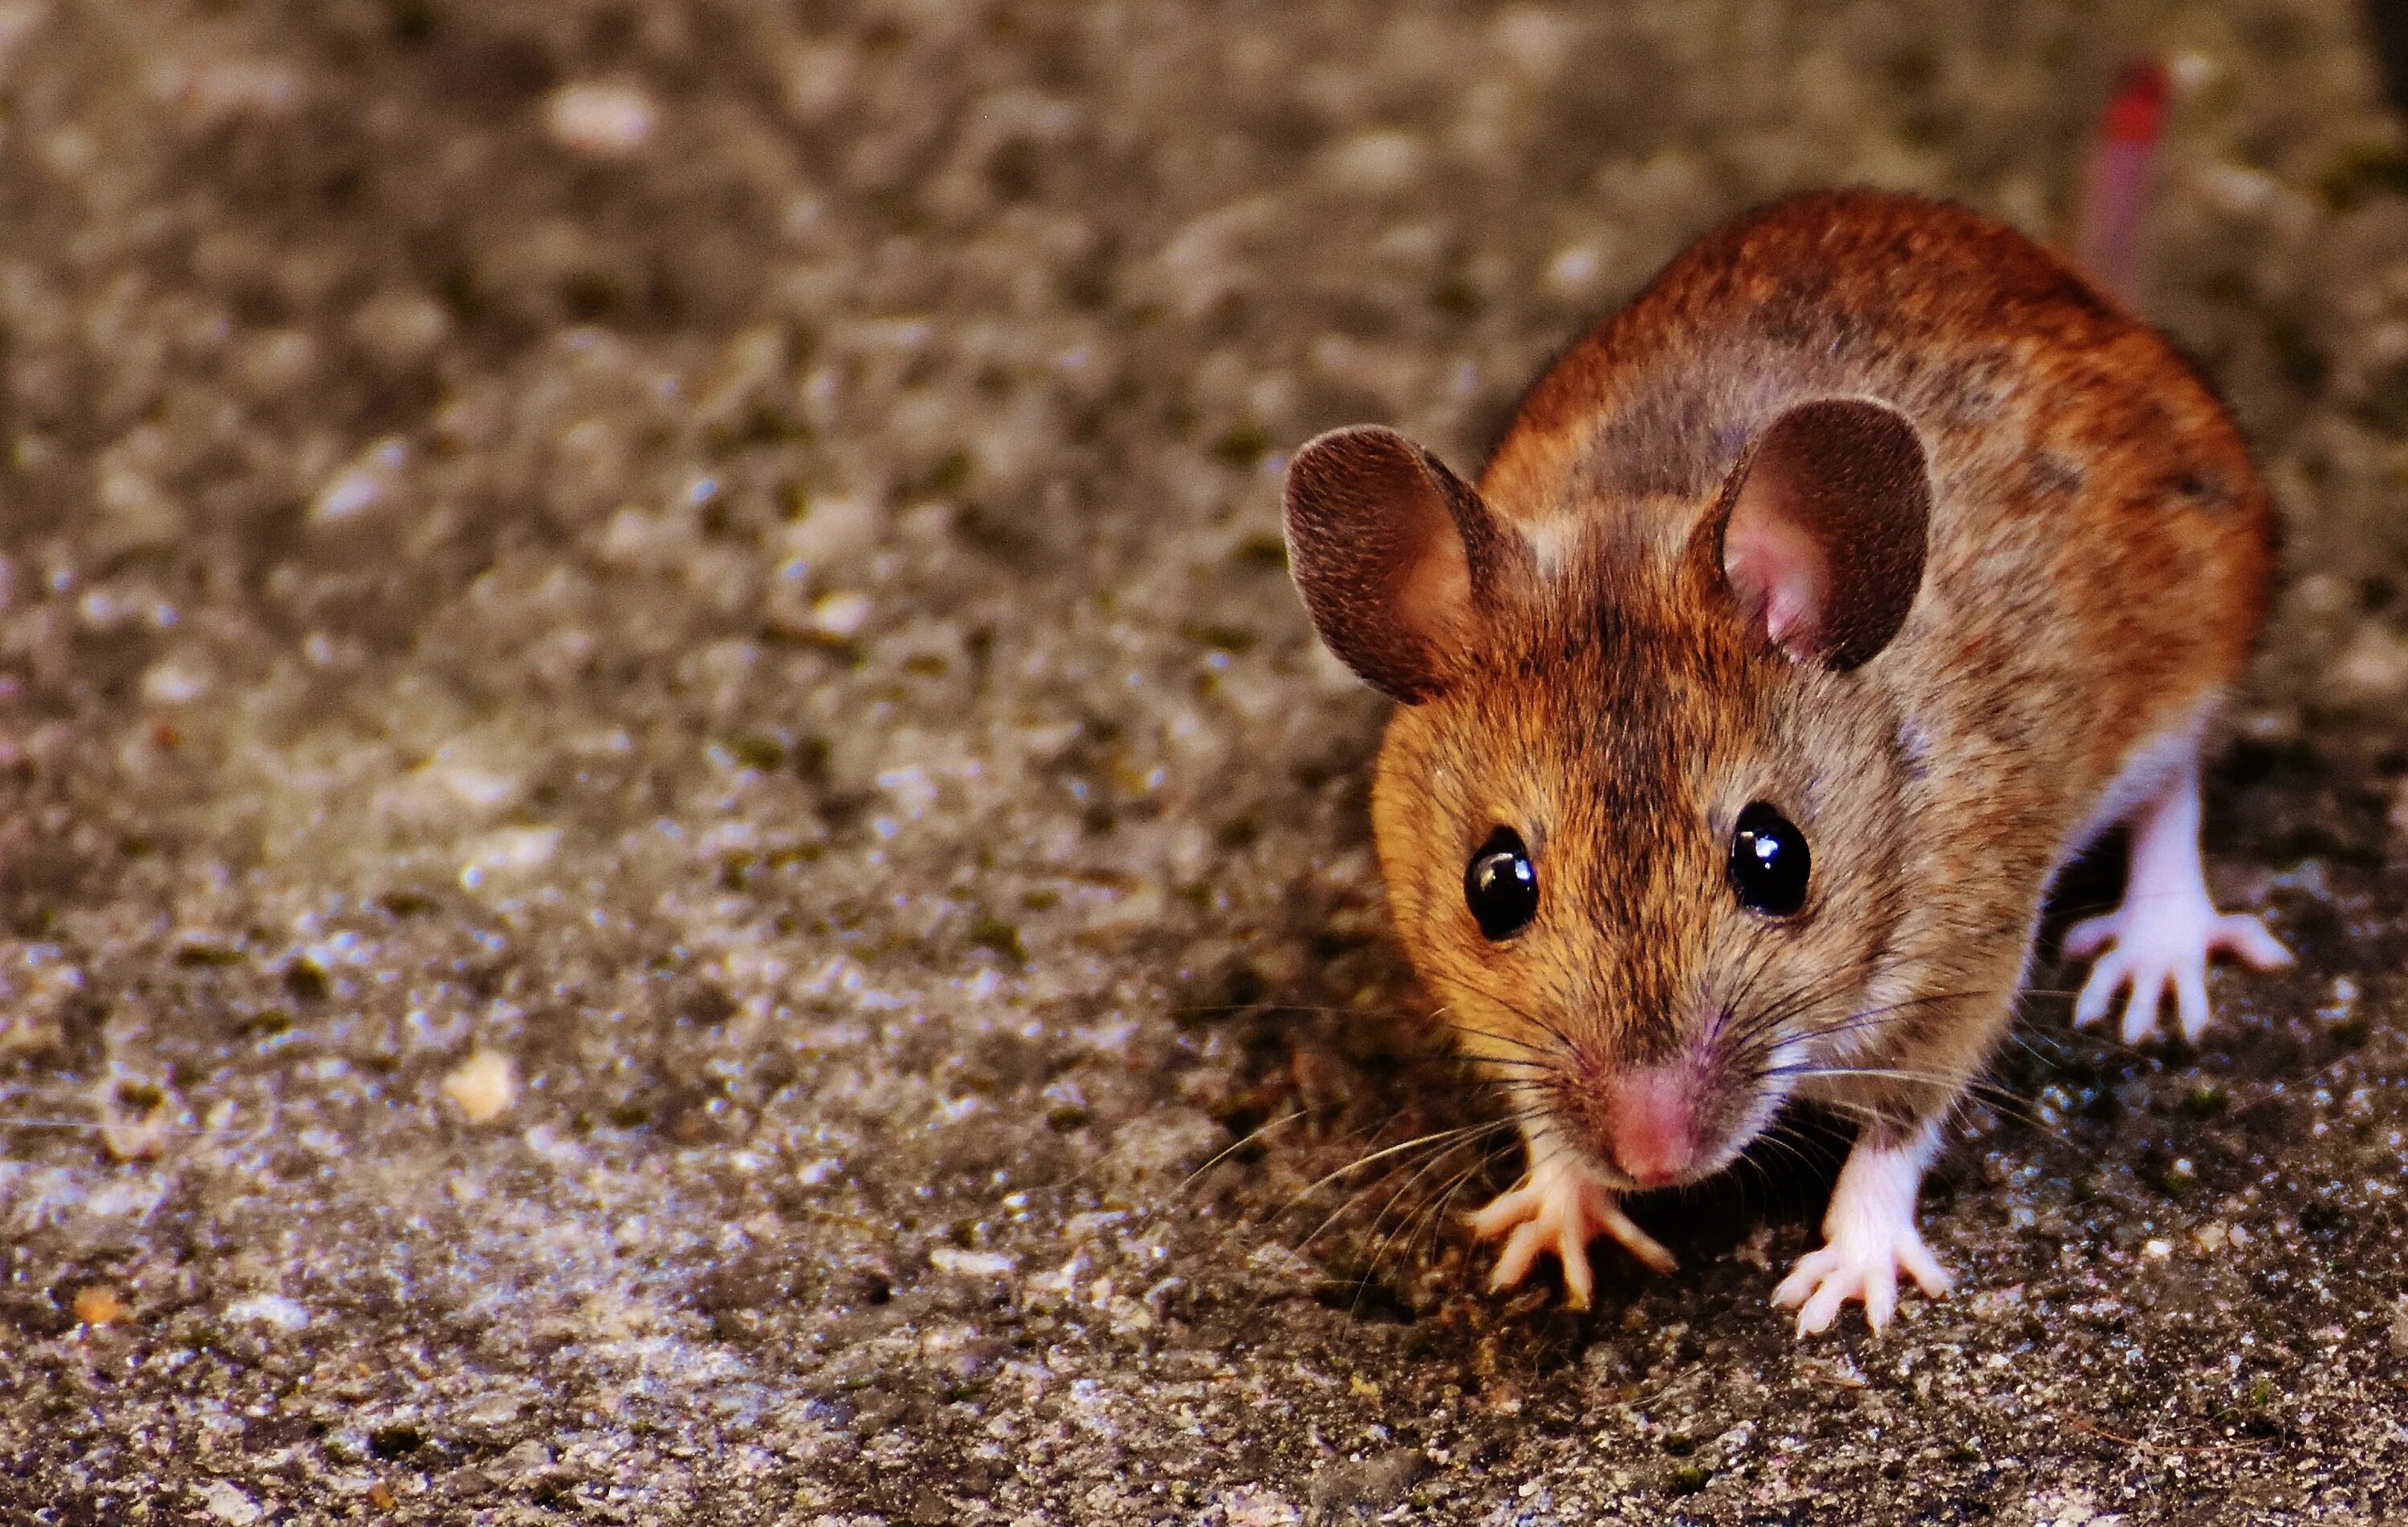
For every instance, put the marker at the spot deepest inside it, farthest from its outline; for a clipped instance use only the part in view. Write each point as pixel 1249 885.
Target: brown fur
pixel 2097 571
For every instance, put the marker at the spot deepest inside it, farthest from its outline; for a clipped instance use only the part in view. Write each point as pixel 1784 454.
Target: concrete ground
pixel 660 792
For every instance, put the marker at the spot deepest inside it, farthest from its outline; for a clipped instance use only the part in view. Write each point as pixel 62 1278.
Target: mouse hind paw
pixel 2159 939
pixel 2159 946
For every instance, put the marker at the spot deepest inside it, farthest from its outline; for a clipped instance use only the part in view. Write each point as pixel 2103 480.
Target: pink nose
pixel 1653 1135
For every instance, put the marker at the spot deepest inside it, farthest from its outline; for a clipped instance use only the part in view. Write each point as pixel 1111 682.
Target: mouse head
pixel 1638 808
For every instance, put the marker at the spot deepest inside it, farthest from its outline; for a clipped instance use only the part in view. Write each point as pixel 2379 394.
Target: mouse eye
pixel 1501 886
pixel 1768 862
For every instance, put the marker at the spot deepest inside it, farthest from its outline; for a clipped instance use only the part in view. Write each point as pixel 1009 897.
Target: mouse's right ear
pixel 1392 552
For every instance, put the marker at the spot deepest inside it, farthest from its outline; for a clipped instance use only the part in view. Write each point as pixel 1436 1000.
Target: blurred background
pixel 660 788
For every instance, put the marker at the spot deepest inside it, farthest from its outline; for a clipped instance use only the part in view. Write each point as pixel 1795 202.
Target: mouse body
pixel 1815 609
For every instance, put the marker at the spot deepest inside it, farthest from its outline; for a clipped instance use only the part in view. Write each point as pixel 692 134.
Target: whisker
pixel 1381 1247
pixel 1250 1137
pixel 1454 1138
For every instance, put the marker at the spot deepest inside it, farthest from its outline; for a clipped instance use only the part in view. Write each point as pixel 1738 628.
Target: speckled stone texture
pixel 670 848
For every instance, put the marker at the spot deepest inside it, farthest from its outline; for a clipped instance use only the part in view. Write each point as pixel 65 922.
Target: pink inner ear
pixel 1435 595
pixel 1776 568
pixel 1823 545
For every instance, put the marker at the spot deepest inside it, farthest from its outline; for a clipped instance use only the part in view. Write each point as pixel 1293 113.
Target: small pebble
pixel 97 1304
pixel 137 1139
pixel 484 1086
pixel 2374 667
pixel 1365 1487
pixel 1377 162
pixel 603 120
pixel 1573 271
pixel 830 529
pixel 269 1309
pixel 400 326
pixel 242 87
pixel 228 1503
pixel 510 851
pixel 841 614
pixel 1252 1505
pixel 173 681
pixel 960 1263
pixel 361 485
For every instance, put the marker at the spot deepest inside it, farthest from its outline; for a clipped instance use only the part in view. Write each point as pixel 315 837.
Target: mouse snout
pixel 1651 1130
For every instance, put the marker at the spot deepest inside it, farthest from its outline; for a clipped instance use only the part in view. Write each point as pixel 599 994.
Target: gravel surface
pixel 671 849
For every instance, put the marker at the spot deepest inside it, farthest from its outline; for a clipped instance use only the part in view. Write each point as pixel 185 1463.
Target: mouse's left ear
pixel 1397 557
pixel 1821 531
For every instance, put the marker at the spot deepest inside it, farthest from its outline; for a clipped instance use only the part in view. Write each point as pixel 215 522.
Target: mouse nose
pixel 1652 1135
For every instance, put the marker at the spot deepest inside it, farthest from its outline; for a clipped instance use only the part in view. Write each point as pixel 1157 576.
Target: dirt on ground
pixel 671 848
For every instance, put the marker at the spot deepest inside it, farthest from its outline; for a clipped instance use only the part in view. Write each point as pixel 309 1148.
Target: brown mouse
pixel 1816 608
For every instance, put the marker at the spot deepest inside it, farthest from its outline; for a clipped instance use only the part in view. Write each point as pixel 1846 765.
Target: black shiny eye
pixel 1768 862
pixel 1501 886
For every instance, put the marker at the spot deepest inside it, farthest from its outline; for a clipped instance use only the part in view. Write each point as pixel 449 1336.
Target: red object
pixel 2139 108
pixel 2107 236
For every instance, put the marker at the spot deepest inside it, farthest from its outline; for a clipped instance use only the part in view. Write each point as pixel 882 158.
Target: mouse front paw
pixel 1869 1237
pixel 2162 943
pixel 1560 1208
pixel 1864 1267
